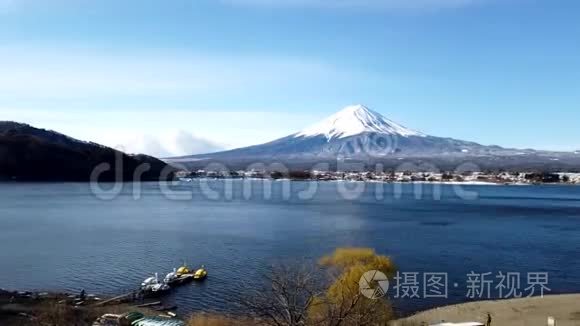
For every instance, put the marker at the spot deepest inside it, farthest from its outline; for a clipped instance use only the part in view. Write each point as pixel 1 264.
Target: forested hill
pixel 32 154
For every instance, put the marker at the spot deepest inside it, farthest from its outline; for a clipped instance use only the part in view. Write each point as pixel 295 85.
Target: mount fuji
pixel 357 133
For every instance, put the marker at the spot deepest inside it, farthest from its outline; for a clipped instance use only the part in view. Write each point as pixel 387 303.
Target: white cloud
pixel 362 4
pixel 164 132
pixel 170 144
pixel 85 94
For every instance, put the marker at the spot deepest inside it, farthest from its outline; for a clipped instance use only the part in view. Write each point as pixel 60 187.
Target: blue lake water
pixel 62 237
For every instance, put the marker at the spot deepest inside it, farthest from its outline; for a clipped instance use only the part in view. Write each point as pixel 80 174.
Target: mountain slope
pixel 358 133
pixel 32 154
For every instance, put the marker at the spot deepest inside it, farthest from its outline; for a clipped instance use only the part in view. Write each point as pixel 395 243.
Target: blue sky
pixel 179 77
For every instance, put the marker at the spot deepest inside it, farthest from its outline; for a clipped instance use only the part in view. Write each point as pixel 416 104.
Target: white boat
pixel 171 277
pixel 152 285
pixel 178 277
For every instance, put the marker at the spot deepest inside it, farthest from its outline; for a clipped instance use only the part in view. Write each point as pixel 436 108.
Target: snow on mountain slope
pixel 357 133
pixel 354 132
pixel 355 120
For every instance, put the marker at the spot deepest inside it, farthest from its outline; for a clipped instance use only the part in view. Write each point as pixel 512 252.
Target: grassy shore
pixel 515 312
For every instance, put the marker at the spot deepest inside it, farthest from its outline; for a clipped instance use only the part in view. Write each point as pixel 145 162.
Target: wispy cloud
pixel 361 4
pixel 69 73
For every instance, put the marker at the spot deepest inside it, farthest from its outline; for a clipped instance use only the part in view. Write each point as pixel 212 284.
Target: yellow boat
pixel 200 274
pixel 183 270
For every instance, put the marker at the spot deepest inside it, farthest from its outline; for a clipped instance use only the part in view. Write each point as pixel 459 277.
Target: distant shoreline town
pixel 474 178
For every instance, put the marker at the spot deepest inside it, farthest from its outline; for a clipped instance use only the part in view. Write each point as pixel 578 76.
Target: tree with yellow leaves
pixel 343 303
pixel 295 295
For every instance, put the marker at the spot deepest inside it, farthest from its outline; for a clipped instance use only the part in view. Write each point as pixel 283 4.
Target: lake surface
pixel 62 237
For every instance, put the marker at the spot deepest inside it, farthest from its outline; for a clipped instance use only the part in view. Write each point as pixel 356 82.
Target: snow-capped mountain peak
pixel 354 120
pixel 358 134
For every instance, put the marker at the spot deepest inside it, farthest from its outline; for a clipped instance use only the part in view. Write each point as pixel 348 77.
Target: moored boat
pixel 152 286
pixel 200 274
pixel 178 276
